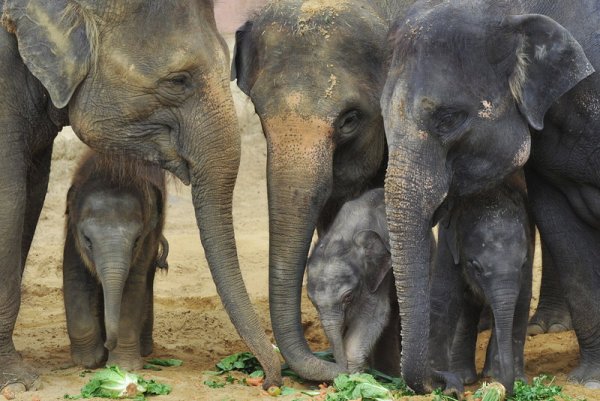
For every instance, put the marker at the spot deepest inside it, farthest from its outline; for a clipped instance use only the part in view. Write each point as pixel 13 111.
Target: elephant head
pixel 464 87
pixel 150 79
pixel 314 73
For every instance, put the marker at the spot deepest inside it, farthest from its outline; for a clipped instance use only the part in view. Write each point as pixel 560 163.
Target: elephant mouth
pixel 179 168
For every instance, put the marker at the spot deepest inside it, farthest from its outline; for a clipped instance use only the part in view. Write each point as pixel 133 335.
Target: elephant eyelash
pixel 449 123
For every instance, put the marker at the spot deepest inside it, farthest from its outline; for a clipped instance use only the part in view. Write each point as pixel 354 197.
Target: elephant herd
pixel 479 115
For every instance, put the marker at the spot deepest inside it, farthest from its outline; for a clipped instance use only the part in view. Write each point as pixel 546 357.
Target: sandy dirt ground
pixel 190 322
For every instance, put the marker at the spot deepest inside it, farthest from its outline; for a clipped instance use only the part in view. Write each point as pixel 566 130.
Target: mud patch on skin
pixel 522 154
pixel 487 111
pixel 332 83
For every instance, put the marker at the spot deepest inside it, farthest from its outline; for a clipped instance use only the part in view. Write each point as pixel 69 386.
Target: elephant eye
pixel 88 242
pixel 448 120
pixel 348 122
pixel 475 265
pixel 347 298
pixel 176 87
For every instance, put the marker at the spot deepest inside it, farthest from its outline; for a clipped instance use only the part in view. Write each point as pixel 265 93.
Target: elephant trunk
pixel 503 304
pixel 334 328
pixel 299 183
pixel 416 185
pixel 212 148
pixel 113 276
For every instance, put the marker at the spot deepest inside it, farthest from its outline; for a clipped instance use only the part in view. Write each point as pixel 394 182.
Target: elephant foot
pixel 126 362
pixel 549 321
pixel 88 356
pixel 146 346
pixel 586 374
pixel 16 376
pixel 468 375
pixel 450 383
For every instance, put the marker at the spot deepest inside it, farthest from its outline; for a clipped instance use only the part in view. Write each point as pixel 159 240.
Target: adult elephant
pixel 148 78
pixel 473 86
pixel 314 71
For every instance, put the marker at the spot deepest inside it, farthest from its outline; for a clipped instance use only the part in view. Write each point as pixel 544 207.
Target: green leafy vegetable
pixel 358 386
pixel 213 384
pixel 165 362
pixel 542 389
pixel 241 361
pixel 438 395
pixel 113 382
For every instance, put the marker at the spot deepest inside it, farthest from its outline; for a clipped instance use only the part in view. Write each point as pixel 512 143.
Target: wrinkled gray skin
pixel 552 314
pixel 473 87
pixel 350 283
pixel 149 78
pixel 114 243
pixel 314 71
pixel 484 259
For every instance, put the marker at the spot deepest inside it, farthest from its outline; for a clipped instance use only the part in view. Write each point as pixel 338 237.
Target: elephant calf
pixel 114 243
pixel 350 282
pixel 485 258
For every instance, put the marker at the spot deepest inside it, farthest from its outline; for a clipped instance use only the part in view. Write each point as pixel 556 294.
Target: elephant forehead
pixel 299 130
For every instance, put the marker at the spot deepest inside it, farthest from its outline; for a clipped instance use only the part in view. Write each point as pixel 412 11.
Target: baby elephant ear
pixel 549 62
pixel 53 43
pixel 378 261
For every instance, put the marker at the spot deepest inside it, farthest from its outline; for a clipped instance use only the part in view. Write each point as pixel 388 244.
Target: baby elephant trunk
pixel 113 277
pixel 503 307
pixel 334 328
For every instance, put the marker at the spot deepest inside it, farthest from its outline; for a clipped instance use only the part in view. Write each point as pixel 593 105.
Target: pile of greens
pixel 541 389
pixel 113 382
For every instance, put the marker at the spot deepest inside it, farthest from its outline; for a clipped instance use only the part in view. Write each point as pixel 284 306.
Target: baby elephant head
pixel 349 283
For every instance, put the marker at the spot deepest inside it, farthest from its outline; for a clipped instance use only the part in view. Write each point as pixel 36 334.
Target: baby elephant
pixel 114 243
pixel 351 284
pixel 485 257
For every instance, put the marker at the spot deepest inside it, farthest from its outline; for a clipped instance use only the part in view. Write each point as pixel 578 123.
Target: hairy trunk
pixel 299 183
pixel 212 148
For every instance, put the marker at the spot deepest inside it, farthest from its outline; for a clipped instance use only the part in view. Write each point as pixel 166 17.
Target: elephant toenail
pixel 592 384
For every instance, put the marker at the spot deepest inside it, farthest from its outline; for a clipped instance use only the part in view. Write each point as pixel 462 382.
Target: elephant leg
pixel 146 338
pixel 127 353
pixel 552 313
pixel 447 288
pixel 81 292
pixel 37 186
pixel 574 248
pixel 13 195
pixel 462 356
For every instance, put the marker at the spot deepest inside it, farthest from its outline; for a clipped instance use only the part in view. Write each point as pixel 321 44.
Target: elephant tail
pixel 163 252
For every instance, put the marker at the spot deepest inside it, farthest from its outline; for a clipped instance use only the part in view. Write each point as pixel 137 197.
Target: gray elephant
pixel 475 89
pixel 147 78
pixel 314 71
pixel 114 243
pixel 484 259
pixel 349 280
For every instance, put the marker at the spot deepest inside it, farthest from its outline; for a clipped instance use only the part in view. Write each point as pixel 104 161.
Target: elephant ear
pixel 53 43
pixel 549 62
pixel 244 58
pixel 378 261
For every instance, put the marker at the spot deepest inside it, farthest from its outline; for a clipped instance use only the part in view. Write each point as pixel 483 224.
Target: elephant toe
pixel 592 384
pixel 17 377
pixel 557 328
pixel 534 329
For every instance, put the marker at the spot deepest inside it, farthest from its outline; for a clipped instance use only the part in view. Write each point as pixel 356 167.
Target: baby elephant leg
pixel 81 292
pixel 464 344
